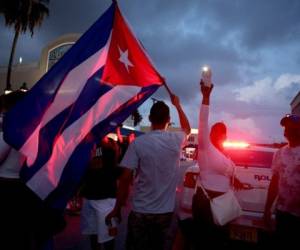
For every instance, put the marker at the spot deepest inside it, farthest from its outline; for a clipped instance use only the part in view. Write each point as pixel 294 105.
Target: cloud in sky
pixel 268 91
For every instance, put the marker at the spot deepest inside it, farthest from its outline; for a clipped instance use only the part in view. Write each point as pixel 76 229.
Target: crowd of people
pixel 147 166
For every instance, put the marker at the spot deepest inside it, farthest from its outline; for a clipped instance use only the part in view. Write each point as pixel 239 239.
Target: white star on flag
pixel 124 59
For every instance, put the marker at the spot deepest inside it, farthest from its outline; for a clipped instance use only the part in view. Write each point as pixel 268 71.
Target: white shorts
pixel 93 215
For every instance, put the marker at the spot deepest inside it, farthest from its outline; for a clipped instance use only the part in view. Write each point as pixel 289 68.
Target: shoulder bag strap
pixel 232 178
pixel 204 191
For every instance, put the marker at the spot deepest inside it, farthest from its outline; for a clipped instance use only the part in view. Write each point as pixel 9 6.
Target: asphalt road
pixel 71 238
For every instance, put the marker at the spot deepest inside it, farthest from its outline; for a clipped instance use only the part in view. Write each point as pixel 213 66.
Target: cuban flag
pixel 95 86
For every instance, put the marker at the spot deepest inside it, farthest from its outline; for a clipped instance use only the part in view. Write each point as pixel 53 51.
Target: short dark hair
pixel 159 113
pixel 218 134
pixel 290 120
pixel 219 127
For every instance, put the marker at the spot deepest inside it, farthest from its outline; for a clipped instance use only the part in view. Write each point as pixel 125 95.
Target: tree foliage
pixel 24 15
pixel 136 117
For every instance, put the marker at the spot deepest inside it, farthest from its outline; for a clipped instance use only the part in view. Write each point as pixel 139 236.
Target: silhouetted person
pixel 155 158
pixel 285 184
pixel 215 176
pixel 99 191
pixel 26 222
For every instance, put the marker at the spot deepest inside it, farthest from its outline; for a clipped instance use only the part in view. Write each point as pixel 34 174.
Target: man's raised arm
pixel 184 122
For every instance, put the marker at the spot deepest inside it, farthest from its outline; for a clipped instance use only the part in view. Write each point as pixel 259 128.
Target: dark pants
pixel 148 231
pixel 287 230
pixel 188 231
pixel 206 232
pixel 25 221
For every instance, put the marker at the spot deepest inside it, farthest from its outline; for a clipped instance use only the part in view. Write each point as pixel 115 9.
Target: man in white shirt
pixel 216 173
pixel 155 158
pixel 285 184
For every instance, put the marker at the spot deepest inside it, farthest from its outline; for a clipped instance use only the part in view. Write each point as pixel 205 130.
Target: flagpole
pixel 167 88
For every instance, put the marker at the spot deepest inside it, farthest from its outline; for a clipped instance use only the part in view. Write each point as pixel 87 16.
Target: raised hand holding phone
pixel 206 76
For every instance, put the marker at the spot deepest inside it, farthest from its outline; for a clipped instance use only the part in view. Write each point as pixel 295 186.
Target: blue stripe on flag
pixel 40 97
pixel 92 91
pixel 80 157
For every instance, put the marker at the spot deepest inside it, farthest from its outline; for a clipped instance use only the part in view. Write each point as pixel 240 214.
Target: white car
pixel 253 167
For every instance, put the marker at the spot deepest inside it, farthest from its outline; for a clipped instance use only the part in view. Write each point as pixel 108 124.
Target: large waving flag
pixel 96 85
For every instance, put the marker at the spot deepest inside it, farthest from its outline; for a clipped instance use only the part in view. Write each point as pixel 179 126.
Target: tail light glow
pixel 190 180
pixel 235 144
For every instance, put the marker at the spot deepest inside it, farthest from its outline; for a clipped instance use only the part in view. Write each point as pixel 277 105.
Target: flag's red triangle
pixel 127 62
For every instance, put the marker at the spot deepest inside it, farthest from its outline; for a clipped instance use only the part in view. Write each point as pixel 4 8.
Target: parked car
pixel 253 167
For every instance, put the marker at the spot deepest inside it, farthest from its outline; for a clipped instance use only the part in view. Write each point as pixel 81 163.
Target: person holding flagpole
pixel 155 157
pixel 104 77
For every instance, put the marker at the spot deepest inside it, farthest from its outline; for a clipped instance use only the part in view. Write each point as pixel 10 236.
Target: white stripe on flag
pixel 47 178
pixel 67 94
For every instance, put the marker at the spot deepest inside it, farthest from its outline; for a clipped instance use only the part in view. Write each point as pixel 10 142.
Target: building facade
pixel 295 104
pixel 30 73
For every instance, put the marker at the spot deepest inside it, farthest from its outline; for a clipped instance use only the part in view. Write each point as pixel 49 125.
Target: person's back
pixel 155 159
pixel 99 190
pixel 100 180
pixel 158 152
pixel 216 173
pixel 100 183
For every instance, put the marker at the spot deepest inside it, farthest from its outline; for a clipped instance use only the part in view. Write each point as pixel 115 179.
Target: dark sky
pixel 252 47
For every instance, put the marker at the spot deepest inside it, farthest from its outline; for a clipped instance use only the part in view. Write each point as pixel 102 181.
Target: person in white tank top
pixel 215 175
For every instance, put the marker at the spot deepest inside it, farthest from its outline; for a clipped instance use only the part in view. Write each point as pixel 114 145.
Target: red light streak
pixel 235 144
